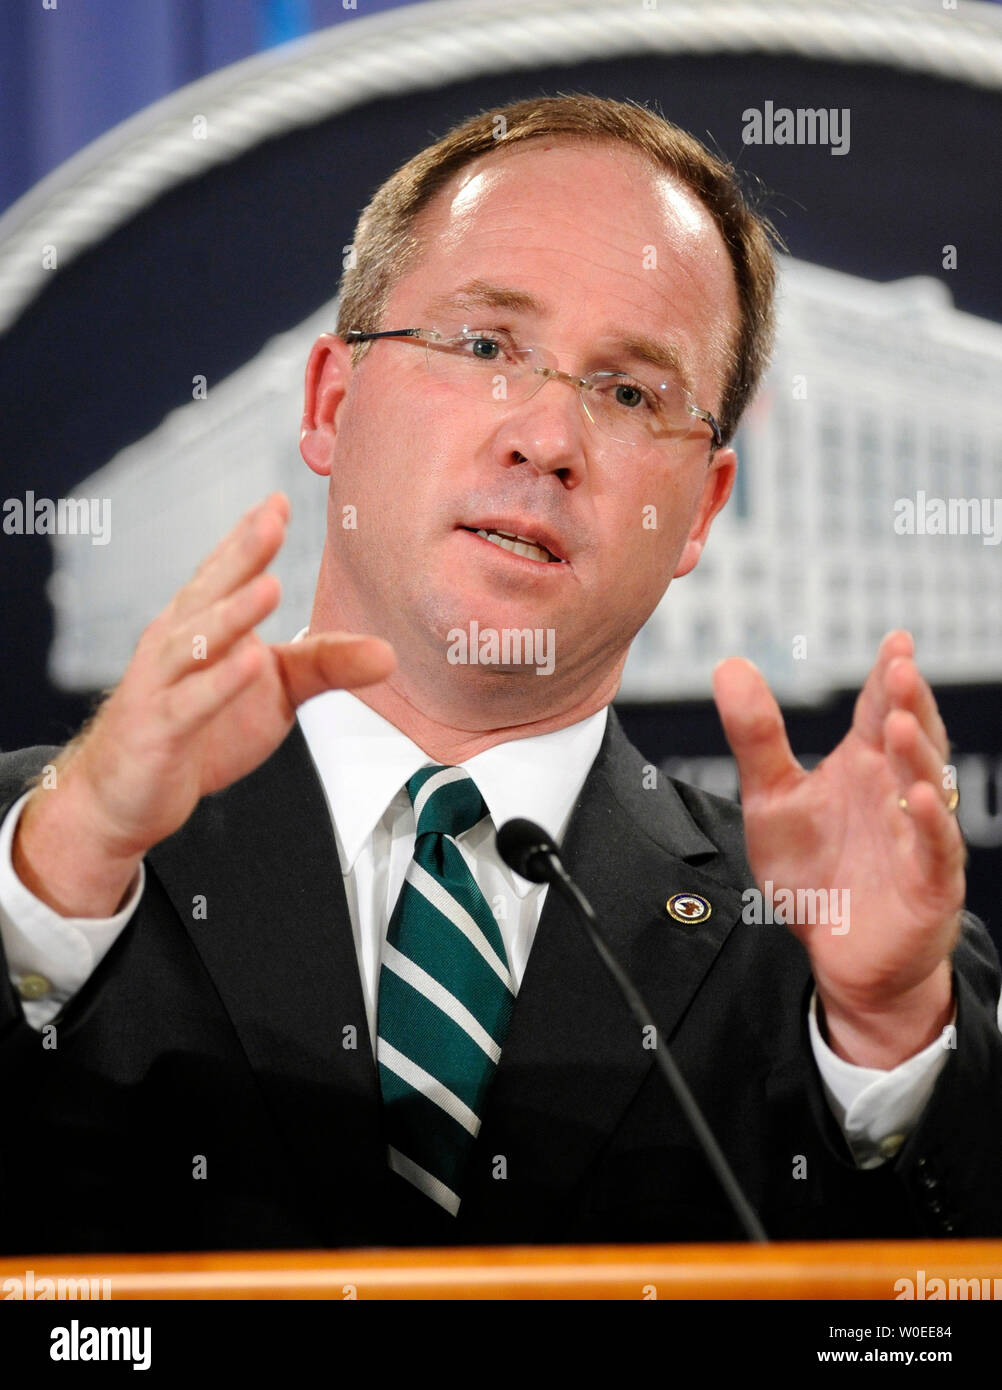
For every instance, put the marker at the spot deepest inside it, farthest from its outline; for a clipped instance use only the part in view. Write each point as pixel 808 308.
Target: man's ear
pixel 328 373
pixel 716 489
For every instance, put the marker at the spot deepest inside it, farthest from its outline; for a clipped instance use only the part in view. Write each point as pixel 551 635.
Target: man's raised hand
pixel 885 984
pixel 202 703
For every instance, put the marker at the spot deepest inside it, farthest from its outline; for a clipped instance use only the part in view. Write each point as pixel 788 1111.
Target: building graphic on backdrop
pixel 869 496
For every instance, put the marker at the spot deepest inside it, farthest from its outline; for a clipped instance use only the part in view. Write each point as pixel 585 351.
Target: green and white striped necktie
pixel 445 995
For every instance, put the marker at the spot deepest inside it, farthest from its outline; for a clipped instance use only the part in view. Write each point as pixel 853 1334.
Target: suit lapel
pixel 278 944
pixel 574 1057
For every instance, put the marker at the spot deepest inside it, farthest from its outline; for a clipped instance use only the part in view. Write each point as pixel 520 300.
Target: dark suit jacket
pixel 230 1038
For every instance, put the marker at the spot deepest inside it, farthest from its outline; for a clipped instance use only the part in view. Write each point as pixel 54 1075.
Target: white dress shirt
pixel 363 762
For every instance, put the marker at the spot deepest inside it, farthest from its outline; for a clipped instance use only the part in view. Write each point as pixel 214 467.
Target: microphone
pixel 528 850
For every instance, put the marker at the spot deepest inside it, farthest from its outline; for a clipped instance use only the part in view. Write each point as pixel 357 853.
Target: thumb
pixel 754 728
pixel 332 661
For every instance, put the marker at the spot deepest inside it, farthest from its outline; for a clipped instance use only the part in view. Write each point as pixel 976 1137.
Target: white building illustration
pixel 877 393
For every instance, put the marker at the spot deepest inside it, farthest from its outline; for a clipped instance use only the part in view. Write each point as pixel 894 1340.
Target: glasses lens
pixel 635 410
pixel 486 365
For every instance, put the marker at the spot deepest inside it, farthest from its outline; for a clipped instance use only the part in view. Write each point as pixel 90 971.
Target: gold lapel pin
pixel 689 908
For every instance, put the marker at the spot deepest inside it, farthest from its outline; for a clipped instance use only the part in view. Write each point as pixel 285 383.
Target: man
pixel 211 1038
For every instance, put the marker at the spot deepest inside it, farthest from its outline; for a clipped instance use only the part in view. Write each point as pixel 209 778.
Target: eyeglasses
pixel 488 365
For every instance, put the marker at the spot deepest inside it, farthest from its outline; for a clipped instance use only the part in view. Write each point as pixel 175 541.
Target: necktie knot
pixel 445 800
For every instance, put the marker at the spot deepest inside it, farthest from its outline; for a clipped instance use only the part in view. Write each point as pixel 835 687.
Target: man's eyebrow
pixel 664 355
pixel 638 347
pixel 482 294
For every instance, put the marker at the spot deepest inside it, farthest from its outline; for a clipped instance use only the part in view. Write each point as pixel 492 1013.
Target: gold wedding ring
pixel 952 802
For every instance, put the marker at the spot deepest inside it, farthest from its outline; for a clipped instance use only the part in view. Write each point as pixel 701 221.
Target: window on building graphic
pixel 833 476
pixel 970 467
pixel 705 637
pixel 992 485
pixel 870 488
pixel 791 587
pixel 830 427
pixel 788 464
pixel 838 579
pixel 757 631
pixel 940 481
pixel 905 460
pixel 875 579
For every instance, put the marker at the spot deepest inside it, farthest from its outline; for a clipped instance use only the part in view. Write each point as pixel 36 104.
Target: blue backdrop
pixel 70 73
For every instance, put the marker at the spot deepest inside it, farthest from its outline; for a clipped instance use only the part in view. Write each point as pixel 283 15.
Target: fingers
pixel 895 683
pixel 754 728
pixel 191 702
pixel 907 689
pixel 938 843
pixel 873 703
pixel 917 762
pixel 203 638
pixel 913 755
pixel 243 553
pixel 332 661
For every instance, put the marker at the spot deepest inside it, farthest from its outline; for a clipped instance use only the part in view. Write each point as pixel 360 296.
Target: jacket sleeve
pixel 16 771
pixel 950 1167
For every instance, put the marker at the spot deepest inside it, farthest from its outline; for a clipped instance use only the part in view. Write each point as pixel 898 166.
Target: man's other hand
pixel 871 823
pixel 202 703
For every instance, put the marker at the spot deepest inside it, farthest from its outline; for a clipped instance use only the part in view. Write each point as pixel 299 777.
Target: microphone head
pixel 526 848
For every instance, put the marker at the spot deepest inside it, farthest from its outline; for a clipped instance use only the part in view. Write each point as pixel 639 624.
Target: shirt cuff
pixel 877 1110
pixel 49 956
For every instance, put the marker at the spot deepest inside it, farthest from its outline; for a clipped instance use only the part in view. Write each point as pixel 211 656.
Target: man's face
pixel 594 249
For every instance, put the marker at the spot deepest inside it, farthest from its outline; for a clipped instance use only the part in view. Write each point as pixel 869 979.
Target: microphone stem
pixel 569 890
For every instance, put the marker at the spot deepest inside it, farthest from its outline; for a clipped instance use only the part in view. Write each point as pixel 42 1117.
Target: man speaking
pixel 268 981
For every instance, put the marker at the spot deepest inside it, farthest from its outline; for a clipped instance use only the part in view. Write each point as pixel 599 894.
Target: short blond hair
pixel 386 241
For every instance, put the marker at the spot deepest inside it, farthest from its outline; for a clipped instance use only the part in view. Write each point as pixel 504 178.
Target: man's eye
pixel 633 396
pixel 489 349
pixel 486 346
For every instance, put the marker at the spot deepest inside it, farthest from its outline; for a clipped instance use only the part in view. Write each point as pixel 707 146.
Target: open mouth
pixel 519 545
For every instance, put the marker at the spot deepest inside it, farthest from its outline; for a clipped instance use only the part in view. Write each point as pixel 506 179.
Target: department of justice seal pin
pixel 689 908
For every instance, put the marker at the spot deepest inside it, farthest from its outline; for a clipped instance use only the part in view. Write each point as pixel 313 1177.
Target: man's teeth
pixel 518 544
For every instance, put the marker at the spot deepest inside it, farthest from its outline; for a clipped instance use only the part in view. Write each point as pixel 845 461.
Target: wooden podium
pixel 825 1270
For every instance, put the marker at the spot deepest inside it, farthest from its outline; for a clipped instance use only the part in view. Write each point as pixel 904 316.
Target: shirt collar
pixel 363 762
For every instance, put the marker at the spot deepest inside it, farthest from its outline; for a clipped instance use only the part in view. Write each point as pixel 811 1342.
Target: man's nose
pixel 548 427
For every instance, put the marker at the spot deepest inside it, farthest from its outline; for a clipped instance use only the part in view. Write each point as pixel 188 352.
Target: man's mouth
pixel 519 545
